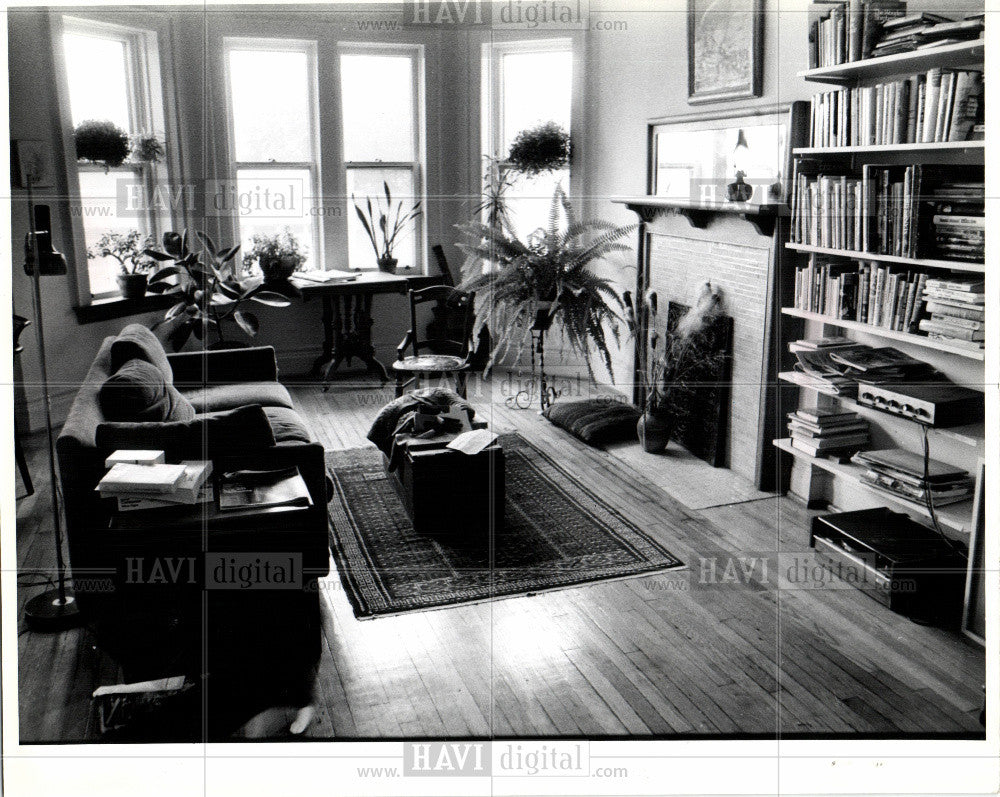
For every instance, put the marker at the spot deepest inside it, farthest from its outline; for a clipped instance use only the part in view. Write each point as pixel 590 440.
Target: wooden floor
pixel 754 653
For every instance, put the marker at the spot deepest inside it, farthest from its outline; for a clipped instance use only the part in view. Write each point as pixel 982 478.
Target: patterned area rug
pixel 557 534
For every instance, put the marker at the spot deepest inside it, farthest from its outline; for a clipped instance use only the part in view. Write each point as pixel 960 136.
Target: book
pixel 866 359
pixel 187 490
pixel 955 311
pixel 819 416
pixel 135 457
pixel 819 451
pixel 134 503
pixel 951 330
pixel 908 464
pixel 263 489
pixel 128 478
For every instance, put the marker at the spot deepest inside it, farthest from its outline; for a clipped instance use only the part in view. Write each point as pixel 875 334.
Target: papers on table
pixel 473 442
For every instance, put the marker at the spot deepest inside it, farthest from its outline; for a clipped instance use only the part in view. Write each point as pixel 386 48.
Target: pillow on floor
pixel 596 422
pixel 139 392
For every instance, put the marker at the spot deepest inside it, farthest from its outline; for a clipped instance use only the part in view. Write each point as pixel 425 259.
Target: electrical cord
pixel 929 498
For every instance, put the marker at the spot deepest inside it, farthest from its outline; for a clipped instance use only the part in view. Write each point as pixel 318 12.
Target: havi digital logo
pixel 440 759
pixel 445 13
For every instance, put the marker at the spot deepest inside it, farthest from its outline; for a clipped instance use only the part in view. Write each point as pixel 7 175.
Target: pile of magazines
pixel 902 474
pixel 838 370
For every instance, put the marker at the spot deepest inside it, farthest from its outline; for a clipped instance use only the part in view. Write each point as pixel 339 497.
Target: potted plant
pixel 548 278
pixel 543 148
pixel 148 148
pixel 684 358
pixel 210 293
pixel 277 256
pixel 101 141
pixel 384 226
pixel 128 249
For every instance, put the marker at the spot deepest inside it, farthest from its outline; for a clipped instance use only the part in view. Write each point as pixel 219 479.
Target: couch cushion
pixel 287 425
pixel 218 434
pixel 596 422
pixel 218 398
pixel 136 342
pixel 138 391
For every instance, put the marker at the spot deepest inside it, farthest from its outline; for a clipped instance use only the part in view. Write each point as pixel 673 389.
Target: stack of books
pixel 850 30
pixel 958 221
pixel 957 310
pixel 815 344
pixel 869 293
pixel 940 105
pixel 152 486
pixel 822 433
pixel 923 31
pixel 902 474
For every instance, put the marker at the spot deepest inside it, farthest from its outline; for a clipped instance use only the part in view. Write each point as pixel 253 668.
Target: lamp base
pixel 49 612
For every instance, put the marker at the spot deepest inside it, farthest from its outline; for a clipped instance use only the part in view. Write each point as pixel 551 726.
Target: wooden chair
pixel 437 356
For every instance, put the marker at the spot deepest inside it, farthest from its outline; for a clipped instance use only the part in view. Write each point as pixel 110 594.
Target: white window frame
pixel 281 44
pixel 146 113
pixel 418 167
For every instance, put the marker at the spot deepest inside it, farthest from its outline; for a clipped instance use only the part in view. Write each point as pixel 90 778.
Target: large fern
pixel 552 271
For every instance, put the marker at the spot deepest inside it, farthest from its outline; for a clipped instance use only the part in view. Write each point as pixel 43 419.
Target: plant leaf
pixel 270 298
pixel 248 322
pixel 163 273
pixel 208 244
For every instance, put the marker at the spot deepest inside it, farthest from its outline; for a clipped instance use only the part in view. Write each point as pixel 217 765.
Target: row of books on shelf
pixel 142 480
pixel 853 30
pixel 892 210
pixel 940 105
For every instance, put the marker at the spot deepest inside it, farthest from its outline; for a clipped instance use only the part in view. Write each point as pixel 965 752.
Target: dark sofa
pixel 158 629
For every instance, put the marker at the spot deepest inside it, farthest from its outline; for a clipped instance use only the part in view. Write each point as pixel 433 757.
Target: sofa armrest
pixel 227 366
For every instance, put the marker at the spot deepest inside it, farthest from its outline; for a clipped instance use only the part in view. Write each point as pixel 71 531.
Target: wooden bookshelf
pixel 967 364
pixel 912 262
pixel 954 56
pixel 888 334
pixel 954 517
pixel 933 148
pixel 971 434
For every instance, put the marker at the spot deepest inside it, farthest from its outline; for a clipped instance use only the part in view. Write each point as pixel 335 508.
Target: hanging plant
pixel 148 148
pixel 102 142
pixel 540 149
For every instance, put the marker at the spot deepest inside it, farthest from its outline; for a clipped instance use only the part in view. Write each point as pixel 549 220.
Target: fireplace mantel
pixel 700 213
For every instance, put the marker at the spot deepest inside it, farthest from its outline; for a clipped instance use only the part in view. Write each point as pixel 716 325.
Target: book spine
pixel 931 106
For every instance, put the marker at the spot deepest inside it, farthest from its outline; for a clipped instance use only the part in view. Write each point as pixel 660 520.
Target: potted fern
pixel 548 278
pixel 385 226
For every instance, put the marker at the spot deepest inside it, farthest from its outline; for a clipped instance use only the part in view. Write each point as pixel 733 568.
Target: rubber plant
pixel 548 278
pixel 210 291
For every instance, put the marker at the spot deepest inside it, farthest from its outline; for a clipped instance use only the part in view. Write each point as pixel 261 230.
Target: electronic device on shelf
pixel 932 404
pixel 902 564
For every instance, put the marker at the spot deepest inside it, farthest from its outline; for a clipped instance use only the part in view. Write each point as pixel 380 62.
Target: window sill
pixel 117 307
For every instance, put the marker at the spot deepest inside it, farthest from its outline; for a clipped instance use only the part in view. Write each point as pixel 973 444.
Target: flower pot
pixel 387 264
pixel 279 269
pixel 133 286
pixel 654 433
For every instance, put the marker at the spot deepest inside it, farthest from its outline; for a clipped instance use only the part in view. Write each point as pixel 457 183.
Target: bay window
pixel 109 70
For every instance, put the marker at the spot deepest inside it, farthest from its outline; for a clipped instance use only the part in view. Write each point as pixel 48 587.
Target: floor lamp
pixel 55 609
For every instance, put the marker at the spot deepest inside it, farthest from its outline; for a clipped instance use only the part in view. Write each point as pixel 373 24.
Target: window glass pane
pixel 96 69
pixel 270 105
pixel 377 96
pixel 364 183
pixel 98 207
pixel 537 88
pixel 530 198
pixel 266 201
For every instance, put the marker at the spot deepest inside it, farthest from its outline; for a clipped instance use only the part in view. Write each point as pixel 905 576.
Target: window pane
pixel 98 192
pixel 377 92
pixel 96 69
pixel 537 88
pixel 364 183
pixel 270 105
pixel 266 202
pixel 529 199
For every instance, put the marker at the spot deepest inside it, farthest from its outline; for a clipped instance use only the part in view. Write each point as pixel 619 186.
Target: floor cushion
pixel 217 398
pixel 596 422
pixel 139 392
pixel 136 342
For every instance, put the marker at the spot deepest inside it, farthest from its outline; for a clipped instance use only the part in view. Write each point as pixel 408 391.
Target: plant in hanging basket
pixel 540 149
pixel 209 293
pixel 101 141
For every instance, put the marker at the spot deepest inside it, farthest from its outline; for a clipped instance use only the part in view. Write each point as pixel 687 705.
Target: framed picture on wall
pixel 725 50
pixel 30 160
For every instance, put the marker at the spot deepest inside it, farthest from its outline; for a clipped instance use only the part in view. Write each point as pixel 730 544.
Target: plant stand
pixel 546 395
